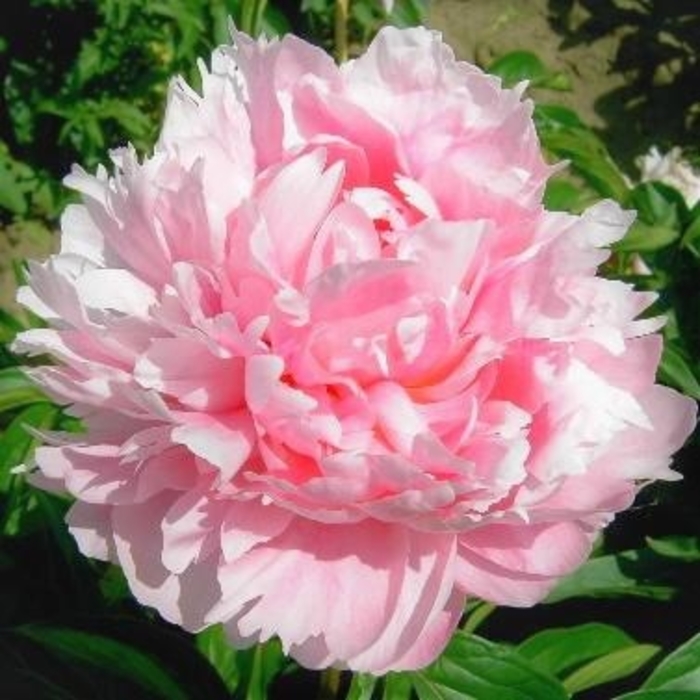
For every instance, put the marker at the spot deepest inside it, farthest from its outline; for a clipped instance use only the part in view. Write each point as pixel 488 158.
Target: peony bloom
pixel 673 170
pixel 338 367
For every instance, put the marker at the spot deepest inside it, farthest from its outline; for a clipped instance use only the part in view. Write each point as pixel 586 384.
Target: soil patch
pixel 482 30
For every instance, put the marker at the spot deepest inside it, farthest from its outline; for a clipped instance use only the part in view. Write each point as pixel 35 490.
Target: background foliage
pixel 80 76
pixel 659 104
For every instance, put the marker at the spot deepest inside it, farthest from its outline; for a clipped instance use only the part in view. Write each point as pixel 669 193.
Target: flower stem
pixel 330 684
pixel 477 616
pixel 341 30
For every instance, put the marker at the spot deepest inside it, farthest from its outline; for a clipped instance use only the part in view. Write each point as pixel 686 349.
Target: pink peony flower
pixel 338 367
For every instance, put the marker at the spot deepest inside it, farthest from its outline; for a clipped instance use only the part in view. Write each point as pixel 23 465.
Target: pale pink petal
pixel 403 582
pixel 183 369
pixel 518 564
pixel 191 530
pixel 94 474
pixel 291 232
pixel 138 544
pixel 91 527
pixel 224 441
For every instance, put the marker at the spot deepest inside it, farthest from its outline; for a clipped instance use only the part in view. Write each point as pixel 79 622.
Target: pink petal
pixel 366 632
pixel 188 371
pixel 518 564
pixel 91 527
pixel 191 529
pixel 291 231
pixel 225 442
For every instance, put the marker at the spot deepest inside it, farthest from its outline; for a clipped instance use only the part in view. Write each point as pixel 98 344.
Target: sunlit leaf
pixel 16 389
pixel 676 371
pixel 610 667
pixel 274 21
pixel 409 13
pixel 633 573
pixel 362 687
pixel 643 237
pixel 516 66
pixel 249 671
pixel 561 649
pixel 588 156
pixel 398 686
pixel 268 662
pixel 555 117
pixel 472 668
pixel 680 670
pixel 212 643
pixel 683 547
pixel 12 191
pixel 656 202
pixel 563 195
pixel 16 442
pixel 691 237
pixel 9 327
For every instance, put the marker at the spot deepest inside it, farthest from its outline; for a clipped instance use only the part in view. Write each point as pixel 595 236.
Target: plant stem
pixel 477 616
pixel 330 684
pixel 341 30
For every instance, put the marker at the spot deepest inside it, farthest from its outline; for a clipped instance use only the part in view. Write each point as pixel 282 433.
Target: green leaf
pixel 113 586
pixel 16 442
pixel 268 662
pixel 691 237
pixel 683 547
pixel 644 238
pixel 130 117
pixel 9 327
pixel 318 6
pixel 635 573
pixel 658 222
pixel 274 22
pixel 588 156
pixel 676 371
pixel 561 649
pixel 659 695
pixel 88 63
pixel 553 117
pixel 248 671
pixel 564 135
pixel 517 66
pixel 472 668
pixel 610 667
pixel 476 614
pixel 680 670
pixel 361 687
pixel 555 81
pixel 212 643
pixel 409 13
pixel 563 195
pixel 12 192
pixel 109 655
pixel 16 389
pixel 657 203
pixel 163 644
pixel 398 686
pixel 251 16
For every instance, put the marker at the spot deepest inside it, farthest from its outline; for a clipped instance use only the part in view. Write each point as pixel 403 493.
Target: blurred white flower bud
pixel 673 170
